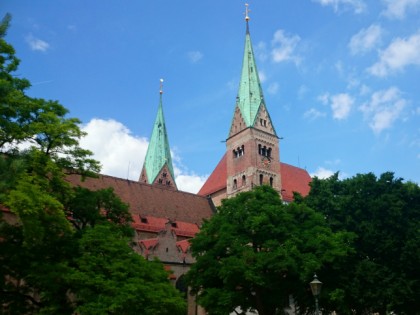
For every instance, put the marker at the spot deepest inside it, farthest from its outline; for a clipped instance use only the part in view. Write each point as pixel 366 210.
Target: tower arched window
pixel 235 184
pixel 271 181
pixel 259 149
pixel 269 152
pixel 261 179
pixel 243 180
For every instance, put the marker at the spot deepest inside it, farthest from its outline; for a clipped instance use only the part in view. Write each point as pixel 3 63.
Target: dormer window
pixel 174 225
pixel 143 220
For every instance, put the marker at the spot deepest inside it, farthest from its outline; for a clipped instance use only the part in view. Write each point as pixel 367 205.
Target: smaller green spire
pixel 158 153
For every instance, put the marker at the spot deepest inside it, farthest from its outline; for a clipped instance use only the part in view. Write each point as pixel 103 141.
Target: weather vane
pixel 161 86
pixel 247 12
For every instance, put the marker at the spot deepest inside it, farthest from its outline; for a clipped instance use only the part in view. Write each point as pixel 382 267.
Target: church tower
pixel 252 146
pixel 157 167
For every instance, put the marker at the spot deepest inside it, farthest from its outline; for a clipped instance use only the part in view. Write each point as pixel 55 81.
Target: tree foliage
pixel 382 274
pixel 110 278
pixel 65 249
pixel 256 252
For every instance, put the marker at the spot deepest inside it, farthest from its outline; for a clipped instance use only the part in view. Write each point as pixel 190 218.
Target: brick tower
pixel 157 168
pixel 252 146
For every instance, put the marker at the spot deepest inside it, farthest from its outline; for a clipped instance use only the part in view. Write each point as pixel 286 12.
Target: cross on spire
pixel 161 86
pixel 247 12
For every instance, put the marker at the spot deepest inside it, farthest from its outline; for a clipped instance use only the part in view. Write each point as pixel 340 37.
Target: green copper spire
pixel 158 157
pixel 250 95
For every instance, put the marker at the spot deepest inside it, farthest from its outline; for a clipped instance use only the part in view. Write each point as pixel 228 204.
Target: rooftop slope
pixel 152 200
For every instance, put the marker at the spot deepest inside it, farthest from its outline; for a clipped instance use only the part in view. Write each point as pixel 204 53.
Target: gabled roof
pixel 183 245
pixel 152 200
pixel 149 243
pixel 158 153
pixel 294 179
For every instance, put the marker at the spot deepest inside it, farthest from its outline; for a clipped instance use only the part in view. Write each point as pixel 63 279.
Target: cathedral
pixel 165 218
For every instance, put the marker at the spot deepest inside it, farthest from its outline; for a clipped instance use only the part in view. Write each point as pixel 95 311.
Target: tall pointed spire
pixel 250 95
pixel 157 167
pixel 252 147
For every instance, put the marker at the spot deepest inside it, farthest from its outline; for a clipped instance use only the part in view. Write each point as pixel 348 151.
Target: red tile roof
pixel 217 179
pixel 149 243
pixel 294 179
pixel 151 201
pixel 183 245
pixel 153 224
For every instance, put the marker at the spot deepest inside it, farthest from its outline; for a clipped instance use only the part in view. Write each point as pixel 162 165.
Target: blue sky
pixel 341 78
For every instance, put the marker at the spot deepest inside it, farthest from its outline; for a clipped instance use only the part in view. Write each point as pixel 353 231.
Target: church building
pixel 165 218
pixel 252 147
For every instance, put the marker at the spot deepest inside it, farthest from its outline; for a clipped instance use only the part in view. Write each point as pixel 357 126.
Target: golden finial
pixel 161 86
pixel 247 12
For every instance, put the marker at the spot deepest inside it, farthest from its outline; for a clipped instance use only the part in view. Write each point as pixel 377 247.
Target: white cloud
pixel 284 47
pixel 400 53
pixel 357 5
pixel 396 9
pixel 37 44
pixel 322 173
pixel 190 182
pixel 195 56
pixel 313 114
pixel 122 154
pixel 383 109
pixel 341 104
pixel 365 40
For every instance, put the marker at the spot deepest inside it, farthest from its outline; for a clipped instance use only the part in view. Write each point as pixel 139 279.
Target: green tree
pixel 50 251
pixel 13 102
pixel 109 278
pixel 87 208
pixel 256 252
pixel 382 274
